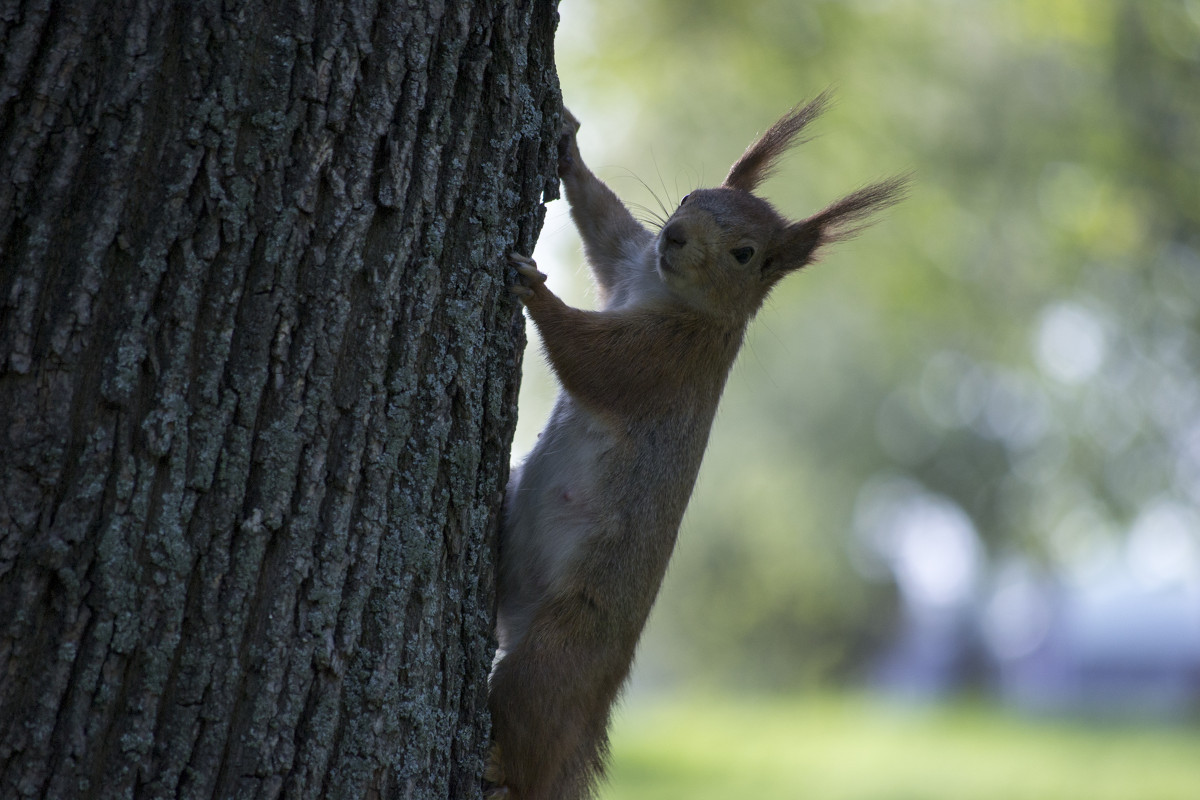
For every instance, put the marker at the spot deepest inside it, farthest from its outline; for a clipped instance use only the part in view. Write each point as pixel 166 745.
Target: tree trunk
pixel 258 372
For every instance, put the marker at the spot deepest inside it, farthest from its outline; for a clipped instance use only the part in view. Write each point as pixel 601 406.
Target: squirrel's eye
pixel 742 254
pixel 684 200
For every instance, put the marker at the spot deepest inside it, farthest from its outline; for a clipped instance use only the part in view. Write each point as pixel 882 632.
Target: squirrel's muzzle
pixel 674 236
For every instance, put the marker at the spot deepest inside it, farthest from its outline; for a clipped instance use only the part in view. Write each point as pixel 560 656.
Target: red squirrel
pixel 591 516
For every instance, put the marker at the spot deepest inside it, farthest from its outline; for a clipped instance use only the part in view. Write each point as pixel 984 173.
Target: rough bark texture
pixel 257 388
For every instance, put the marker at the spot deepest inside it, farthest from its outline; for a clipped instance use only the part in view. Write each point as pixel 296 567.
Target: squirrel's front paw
pixel 532 281
pixel 569 124
pixel 568 149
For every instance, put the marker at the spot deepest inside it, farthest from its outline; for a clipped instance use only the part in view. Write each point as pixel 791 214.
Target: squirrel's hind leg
pixel 493 777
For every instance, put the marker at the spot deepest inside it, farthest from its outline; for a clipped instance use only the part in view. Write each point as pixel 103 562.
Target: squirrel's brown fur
pixel 591 515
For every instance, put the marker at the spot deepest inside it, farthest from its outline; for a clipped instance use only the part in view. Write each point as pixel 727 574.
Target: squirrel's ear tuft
pixel 759 160
pixel 838 222
pixel 845 218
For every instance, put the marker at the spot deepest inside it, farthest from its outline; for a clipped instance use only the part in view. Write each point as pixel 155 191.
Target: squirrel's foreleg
pixel 610 233
pixel 590 350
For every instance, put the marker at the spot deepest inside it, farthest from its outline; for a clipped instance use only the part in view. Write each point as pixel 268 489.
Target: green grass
pixel 854 748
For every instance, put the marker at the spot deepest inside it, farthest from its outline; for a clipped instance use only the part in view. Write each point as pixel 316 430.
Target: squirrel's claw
pixel 527 268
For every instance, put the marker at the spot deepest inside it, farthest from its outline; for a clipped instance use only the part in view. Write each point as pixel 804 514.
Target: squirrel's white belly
pixel 554 505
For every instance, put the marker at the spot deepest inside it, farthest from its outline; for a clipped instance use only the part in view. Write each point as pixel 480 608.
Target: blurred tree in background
pixel 1009 361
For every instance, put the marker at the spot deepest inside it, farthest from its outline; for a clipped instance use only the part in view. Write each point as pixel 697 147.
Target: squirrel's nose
pixel 674 235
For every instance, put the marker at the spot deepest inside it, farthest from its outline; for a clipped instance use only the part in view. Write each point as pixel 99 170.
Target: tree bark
pixel 258 373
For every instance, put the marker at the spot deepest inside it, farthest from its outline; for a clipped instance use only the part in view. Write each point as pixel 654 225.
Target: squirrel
pixel 591 516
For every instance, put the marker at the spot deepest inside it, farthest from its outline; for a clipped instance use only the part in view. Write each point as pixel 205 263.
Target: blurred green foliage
pixel 852 748
pixel 1019 337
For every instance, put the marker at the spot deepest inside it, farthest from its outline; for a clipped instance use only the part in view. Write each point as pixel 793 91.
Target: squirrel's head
pixel 724 249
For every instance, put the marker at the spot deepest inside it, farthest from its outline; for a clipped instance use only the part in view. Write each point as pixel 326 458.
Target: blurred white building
pixel 1115 633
